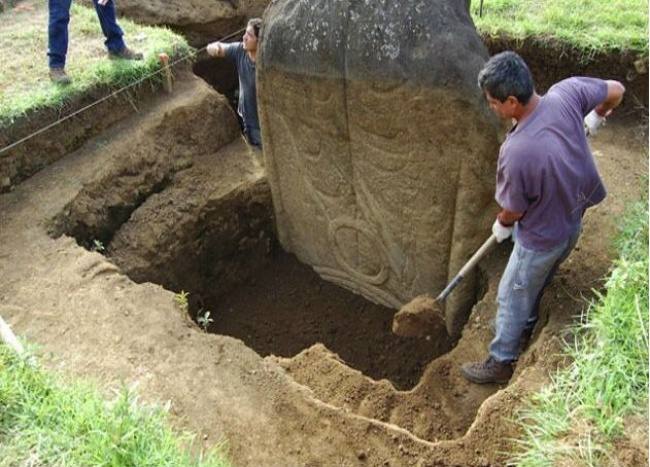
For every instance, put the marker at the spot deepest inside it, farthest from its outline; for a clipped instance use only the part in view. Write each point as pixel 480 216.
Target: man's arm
pixel 504 223
pixel 596 117
pixel 615 91
pixel 508 218
pixel 216 49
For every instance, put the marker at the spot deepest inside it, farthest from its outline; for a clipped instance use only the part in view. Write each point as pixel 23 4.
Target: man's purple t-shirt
pixel 545 168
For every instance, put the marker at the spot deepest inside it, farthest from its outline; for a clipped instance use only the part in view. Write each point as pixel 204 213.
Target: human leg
pixel 253 136
pixel 112 31
pixel 525 275
pixel 573 240
pixel 57 32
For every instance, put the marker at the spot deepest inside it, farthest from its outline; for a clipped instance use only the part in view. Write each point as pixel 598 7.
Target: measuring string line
pixel 113 94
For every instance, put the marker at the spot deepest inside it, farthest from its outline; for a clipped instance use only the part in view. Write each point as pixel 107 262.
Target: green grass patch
pixel 588 25
pixel 46 422
pixel 576 419
pixel 24 81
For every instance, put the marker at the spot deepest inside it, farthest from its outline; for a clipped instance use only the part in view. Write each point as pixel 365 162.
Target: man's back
pixel 545 167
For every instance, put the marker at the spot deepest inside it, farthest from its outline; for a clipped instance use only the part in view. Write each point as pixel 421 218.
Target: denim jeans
pixel 520 291
pixel 58 29
pixel 253 136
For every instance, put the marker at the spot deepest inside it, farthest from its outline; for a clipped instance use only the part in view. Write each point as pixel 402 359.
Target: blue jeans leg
pixel 253 136
pixel 534 316
pixel 520 290
pixel 112 31
pixel 57 32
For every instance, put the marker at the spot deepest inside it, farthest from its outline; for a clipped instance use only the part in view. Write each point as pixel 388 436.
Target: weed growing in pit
pixel 44 421
pixel 203 318
pixel 181 299
pixel 98 246
pixel 577 418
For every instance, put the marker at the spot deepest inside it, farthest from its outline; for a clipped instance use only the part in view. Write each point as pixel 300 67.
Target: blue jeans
pixel 253 136
pixel 58 30
pixel 520 291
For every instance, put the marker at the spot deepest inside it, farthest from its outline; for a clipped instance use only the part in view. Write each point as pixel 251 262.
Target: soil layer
pixel 286 308
pixel 551 61
pixel 89 318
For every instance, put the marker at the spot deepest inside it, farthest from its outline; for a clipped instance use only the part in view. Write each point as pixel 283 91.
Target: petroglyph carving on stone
pixel 380 151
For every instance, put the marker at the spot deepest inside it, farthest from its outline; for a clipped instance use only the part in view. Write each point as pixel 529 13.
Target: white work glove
pixel 593 121
pixel 500 231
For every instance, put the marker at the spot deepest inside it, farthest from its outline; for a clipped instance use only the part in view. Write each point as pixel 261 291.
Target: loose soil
pixel 287 308
pixel 312 374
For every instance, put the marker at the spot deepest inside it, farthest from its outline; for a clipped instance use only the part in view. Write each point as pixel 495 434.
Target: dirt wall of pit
pixel 551 61
pixel 27 158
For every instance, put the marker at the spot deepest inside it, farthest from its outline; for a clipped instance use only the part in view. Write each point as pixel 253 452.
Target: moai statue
pixel 379 147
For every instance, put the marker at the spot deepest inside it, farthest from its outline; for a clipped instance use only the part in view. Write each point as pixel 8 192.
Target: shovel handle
pixel 476 257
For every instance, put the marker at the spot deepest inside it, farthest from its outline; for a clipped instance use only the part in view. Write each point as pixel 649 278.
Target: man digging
pixel 243 54
pixel 546 179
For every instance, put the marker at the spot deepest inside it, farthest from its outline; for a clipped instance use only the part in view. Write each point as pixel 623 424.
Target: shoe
pixel 125 54
pixel 59 76
pixel 489 371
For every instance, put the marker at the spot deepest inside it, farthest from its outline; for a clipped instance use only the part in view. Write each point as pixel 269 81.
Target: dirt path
pixel 310 409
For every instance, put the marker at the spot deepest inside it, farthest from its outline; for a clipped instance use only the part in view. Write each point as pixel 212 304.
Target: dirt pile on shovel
pixel 421 316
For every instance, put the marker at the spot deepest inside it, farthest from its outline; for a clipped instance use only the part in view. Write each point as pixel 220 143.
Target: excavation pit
pixel 285 308
pixel 229 262
pixel 170 210
pixel 159 197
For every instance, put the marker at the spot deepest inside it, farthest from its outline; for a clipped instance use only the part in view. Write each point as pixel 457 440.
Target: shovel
pixel 425 315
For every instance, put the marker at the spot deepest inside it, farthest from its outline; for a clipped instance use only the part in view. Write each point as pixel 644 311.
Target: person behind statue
pixel 59 17
pixel 243 54
pixel 546 180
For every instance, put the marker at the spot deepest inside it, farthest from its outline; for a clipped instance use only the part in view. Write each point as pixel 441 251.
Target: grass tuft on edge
pixel 44 422
pixel 576 418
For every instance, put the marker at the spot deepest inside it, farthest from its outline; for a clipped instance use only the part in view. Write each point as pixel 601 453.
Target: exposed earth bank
pixel 173 195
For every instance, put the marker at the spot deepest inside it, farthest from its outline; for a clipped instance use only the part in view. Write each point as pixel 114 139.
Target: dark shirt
pixel 247 105
pixel 545 168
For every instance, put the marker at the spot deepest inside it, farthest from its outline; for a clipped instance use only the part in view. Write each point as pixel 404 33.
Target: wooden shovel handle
pixel 487 246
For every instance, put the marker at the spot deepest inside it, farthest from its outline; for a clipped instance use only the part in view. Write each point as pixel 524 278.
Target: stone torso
pixel 380 150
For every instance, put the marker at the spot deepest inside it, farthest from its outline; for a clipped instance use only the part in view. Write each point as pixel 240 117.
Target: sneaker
pixel 59 76
pixel 489 371
pixel 125 54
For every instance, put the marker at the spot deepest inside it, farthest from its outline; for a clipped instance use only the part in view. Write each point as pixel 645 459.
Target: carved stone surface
pixel 379 149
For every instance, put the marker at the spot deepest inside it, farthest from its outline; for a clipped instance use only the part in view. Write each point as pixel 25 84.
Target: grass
pixel 24 82
pixel 46 422
pixel 576 420
pixel 588 25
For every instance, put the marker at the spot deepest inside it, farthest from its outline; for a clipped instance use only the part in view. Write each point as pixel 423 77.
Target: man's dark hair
pixel 506 74
pixel 256 24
